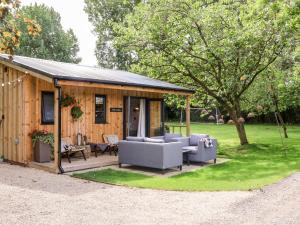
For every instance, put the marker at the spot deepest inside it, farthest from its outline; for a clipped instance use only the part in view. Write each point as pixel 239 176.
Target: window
pixel 47 108
pixel 100 109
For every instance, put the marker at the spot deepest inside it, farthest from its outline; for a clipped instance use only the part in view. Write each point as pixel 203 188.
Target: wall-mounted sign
pixel 116 109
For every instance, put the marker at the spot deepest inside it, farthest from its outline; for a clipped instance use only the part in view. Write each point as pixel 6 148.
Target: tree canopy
pixel 52 42
pixel 9 31
pixel 218 48
pixel 102 14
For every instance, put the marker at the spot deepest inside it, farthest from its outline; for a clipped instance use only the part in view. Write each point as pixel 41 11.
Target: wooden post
pixel 56 127
pixel 188 116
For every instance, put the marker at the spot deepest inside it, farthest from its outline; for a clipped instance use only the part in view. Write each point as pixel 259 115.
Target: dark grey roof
pixel 68 71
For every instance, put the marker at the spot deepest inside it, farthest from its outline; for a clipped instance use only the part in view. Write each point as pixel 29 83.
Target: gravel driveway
pixel 29 196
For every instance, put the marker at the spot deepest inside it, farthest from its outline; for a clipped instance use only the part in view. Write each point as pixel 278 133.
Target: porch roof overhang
pixel 67 74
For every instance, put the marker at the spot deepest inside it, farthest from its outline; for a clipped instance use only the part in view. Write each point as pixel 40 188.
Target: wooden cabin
pixel 32 90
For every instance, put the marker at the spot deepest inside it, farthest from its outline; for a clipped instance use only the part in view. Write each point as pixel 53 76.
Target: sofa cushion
pixel 153 140
pixel 130 138
pixel 171 137
pixel 195 138
pixel 192 149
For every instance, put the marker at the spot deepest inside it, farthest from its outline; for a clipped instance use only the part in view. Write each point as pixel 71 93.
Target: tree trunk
pixel 282 124
pixel 279 117
pixel 241 132
pixel 235 114
pixel 275 99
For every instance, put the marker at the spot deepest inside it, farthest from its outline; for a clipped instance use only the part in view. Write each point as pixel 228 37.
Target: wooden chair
pixel 113 143
pixel 68 149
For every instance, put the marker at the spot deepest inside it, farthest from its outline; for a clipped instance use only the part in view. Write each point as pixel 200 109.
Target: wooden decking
pixel 91 162
pixel 78 163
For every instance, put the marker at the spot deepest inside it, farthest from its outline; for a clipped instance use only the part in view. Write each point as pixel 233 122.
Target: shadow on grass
pixel 255 162
pixel 242 171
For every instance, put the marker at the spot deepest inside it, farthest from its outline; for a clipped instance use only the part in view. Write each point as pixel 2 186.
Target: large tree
pixel 214 47
pixel 278 88
pixel 102 14
pixel 9 31
pixel 53 42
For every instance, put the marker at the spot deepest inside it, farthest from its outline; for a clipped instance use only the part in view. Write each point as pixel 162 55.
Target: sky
pixel 73 16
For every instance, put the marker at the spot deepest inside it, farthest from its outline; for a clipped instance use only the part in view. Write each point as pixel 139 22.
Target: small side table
pixel 99 148
pixel 87 151
pixel 185 154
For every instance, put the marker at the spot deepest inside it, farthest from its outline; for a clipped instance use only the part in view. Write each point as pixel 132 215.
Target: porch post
pixel 188 116
pixel 56 127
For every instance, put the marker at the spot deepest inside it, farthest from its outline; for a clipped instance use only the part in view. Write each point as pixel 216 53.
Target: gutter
pixel 61 170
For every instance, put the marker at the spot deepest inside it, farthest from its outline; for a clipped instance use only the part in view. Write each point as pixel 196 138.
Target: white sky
pixel 73 16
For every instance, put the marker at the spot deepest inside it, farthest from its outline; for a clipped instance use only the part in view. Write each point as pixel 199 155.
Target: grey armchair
pixel 197 150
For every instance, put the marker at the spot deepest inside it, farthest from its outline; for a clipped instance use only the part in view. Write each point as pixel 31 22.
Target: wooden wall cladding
pixel 86 125
pixel 12 135
pixel 20 104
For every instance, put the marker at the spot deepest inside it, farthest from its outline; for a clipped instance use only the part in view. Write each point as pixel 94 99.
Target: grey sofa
pixel 148 154
pixel 198 151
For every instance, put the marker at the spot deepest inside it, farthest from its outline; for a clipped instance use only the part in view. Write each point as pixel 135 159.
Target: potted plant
pixel 1 158
pixel 43 143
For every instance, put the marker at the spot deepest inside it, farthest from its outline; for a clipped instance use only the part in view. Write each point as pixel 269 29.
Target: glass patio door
pixel 142 117
pixel 155 118
pixel 134 117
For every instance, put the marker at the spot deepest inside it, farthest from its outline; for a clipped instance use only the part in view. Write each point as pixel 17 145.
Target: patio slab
pixel 156 172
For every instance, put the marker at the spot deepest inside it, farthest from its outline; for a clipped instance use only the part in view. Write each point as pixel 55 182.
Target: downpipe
pixel 61 170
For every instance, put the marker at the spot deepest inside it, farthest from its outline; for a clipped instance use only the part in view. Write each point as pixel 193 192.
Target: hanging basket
pixel 67 100
pixel 76 112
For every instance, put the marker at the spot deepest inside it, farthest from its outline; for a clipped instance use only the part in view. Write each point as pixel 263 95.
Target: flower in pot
pixel 43 143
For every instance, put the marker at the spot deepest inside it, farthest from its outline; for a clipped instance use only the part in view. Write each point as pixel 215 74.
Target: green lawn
pixel 260 163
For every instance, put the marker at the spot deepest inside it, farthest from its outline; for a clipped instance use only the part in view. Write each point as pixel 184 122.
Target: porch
pixel 78 163
pixel 105 112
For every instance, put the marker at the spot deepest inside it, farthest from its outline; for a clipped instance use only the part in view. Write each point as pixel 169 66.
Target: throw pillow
pixel 153 140
pixel 195 138
pixel 130 138
pixel 170 137
pixel 207 142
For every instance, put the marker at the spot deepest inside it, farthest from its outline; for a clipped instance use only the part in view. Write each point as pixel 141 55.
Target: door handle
pixel 2 118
